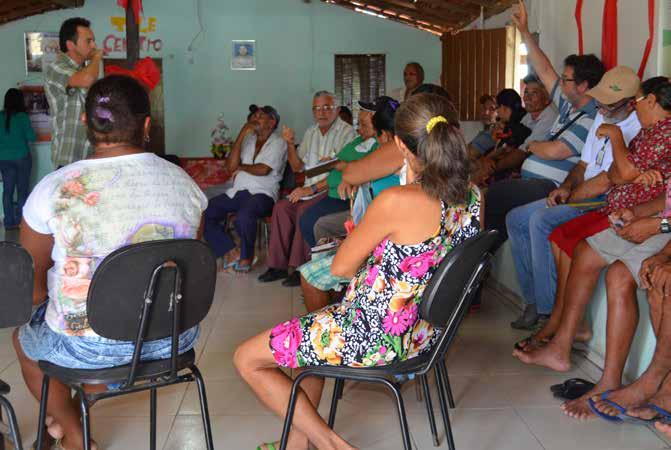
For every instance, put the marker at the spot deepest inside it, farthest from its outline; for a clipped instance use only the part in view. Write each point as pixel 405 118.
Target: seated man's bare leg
pixel 582 279
pixel 650 387
pixel 620 329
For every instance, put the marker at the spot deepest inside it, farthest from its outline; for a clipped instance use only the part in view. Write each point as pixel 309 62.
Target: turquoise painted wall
pixel 296 44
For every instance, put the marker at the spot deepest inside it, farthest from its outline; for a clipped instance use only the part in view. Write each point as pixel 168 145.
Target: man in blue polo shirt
pixel 551 160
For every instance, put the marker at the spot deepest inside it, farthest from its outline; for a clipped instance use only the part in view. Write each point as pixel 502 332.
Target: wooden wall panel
pixel 477 62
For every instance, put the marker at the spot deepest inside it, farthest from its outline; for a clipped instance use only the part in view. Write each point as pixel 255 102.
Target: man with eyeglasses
pixel 530 225
pixel 329 134
pixel 550 160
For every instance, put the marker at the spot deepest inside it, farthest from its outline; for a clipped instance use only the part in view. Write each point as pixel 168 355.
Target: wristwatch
pixel 665 226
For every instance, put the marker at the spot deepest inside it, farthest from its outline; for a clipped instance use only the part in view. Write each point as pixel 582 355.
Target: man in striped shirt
pixel 287 248
pixel 66 82
pixel 551 160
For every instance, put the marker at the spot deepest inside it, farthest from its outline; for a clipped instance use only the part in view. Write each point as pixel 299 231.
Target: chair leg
pixel 86 419
pixel 152 418
pixel 291 408
pixel 446 380
pixel 418 392
pixel 429 409
pixel 12 424
pixel 41 428
pixel 204 410
pixel 443 406
pixel 400 406
pixel 337 395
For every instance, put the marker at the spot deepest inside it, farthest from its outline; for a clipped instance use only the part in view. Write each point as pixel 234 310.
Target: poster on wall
pixel 37 108
pixel 41 50
pixel 244 55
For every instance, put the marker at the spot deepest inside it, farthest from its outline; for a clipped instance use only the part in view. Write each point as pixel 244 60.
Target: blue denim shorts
pixel 41 343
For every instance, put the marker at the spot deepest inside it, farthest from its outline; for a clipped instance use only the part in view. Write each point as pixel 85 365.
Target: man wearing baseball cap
pixel 257 163
pixel 530 225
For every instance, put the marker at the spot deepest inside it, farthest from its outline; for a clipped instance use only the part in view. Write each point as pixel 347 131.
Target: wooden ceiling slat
pixel 11 10
pixel 442 15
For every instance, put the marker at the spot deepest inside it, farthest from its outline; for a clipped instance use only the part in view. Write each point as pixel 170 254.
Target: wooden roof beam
pixel 68 3
pixel 416 14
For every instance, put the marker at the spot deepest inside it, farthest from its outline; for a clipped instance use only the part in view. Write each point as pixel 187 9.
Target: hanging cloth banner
pixel 651 36
pixel 137 7
pixel 578 20
pixel 609 39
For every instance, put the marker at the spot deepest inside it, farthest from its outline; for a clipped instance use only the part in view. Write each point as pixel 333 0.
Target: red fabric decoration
pixel 145 71
pixel 578 20
pixel 137 7
pixel 609 40
pixel 648 44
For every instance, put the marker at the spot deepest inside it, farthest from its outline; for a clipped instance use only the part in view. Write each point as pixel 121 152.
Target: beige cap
pixel 617 84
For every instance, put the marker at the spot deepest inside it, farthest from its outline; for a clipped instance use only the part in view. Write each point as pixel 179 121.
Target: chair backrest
pixel 449 293
pixel 16 285
pixel 148 282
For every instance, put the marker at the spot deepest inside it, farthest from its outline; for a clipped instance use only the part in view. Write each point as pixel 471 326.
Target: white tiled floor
pixel 501 404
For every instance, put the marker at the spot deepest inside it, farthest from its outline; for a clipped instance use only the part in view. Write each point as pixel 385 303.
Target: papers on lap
pixel 320 168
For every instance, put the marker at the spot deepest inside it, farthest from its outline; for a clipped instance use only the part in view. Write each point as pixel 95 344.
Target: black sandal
pixel 528 341
pixel 572 389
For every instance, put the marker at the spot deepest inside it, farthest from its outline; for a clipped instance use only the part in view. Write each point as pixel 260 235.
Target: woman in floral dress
pixel 391 255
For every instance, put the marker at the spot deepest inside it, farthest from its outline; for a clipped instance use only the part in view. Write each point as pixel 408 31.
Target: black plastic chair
pixel 16 301
pixel 143 292
pixel 444 305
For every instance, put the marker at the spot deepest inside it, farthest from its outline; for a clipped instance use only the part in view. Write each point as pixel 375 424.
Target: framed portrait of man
pixel 244 55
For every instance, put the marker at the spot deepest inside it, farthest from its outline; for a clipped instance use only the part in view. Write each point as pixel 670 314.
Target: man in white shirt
pixel 257 163
pixel 530 225
pixel 413 77
pixel 287 248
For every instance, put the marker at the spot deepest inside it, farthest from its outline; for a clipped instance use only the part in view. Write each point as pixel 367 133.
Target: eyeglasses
pixel 613 107
pixel 565 80
pixel 325 108
pixel 640 99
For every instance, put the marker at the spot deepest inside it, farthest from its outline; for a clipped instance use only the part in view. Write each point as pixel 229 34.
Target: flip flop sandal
pixel 619 418
pixel 664 415
pixel 269 446
pixel 246 268
pixel 572 389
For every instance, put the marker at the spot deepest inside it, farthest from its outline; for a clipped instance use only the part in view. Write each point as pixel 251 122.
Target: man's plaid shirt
pixel 68 141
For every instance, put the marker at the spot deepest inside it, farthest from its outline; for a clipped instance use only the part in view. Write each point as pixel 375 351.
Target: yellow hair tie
pixel 432 123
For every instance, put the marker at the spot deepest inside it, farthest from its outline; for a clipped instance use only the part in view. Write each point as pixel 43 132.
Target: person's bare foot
pixel 54 428
pixel 662 399
pixel 635 395
pixel 579 408
pixel 550 356
pixel 583 335
pixel 664 428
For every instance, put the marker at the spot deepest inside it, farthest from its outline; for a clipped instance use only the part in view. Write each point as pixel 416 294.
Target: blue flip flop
pixel 608 417
pixel 665 415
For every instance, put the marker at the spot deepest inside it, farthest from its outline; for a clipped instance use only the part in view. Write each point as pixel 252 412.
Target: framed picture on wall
pixel 244 55
pixel 41 50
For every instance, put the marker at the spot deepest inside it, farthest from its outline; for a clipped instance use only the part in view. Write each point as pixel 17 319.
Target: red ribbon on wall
pixel 578 20
pixel 609 39
pixel 651 36
pixel 137 7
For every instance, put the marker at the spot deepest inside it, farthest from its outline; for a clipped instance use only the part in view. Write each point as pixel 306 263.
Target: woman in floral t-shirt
pixel 391 255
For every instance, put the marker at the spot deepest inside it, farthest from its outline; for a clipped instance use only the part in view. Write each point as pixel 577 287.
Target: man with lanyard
pixel 66 82
pixel 549 161
pixel 529 226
